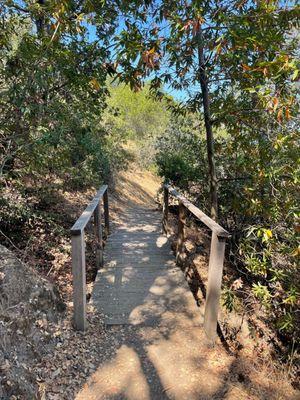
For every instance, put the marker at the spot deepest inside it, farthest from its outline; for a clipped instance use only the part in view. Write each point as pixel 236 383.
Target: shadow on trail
pixel 164 353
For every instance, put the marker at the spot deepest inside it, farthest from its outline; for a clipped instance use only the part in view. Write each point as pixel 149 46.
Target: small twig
pixel 292 358
pixel 48 273
pixel 54 33
pixel 10 241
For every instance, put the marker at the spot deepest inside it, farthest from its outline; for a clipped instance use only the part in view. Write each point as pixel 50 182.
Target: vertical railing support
pixel 216 260
pixel 99 237
pixel 165 211
pixel 106 213
pixel 215 272
pixel 79 283
pixel 180 236
pixel 78 252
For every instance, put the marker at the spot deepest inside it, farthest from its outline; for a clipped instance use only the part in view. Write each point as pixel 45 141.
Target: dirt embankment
pixel 28 304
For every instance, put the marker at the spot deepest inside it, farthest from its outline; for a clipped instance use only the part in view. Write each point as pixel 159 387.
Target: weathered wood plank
pixel 99 237
pixel 141 285
pixel 79 281
pixel 83 220
pixel 165 210
pixel 210 223
pixel 106 213
pixel 215 272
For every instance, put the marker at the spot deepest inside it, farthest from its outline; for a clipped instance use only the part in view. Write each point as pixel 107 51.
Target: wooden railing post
pixel 106 212
pixel 215 272
pixel 216 260
pixel 180 236
pixel 79 281
pixel 99 238
pixel 78 252
pixel 165 210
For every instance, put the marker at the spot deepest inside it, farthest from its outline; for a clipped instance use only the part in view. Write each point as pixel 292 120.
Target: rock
pixel 29 303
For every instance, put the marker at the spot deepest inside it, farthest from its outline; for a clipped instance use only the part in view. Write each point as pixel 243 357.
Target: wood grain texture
pixel 79 281
pixel 210 223
pixel 99 236
pixel 106 212
pixel 140 283
pixel 215 272
pixel 83 220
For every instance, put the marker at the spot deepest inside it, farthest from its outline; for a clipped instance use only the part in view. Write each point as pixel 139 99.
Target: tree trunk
pixel 40 20
pixel 208 127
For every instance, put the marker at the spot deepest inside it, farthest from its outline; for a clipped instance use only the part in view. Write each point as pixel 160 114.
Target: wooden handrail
pixel 210 223
pixel 216 258
pixel 78 252
pixel 83 220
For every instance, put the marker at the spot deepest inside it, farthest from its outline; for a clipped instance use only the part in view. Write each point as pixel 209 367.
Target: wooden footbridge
pixel 139 280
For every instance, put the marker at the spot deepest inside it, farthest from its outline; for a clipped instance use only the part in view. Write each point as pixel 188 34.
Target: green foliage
pixel 254 106
pixel 180 153
pixel 229 299
pixel 270 256
pixel 15 212
pixel 54 121
pixel 53 95
pixel 136 113
pixel 287 322
pixel 175 168
pixel 262 293
pixel 258 202
pixel 136 117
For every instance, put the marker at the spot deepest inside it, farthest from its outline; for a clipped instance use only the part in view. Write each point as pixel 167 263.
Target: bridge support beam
pixel 215 272
pixel 165 211
pixel 99 237
pixel 79 281
pixel 106 213
pixel 180 237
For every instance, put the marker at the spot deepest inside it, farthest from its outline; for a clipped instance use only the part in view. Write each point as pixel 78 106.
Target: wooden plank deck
pixel 154 346
pixel 140 283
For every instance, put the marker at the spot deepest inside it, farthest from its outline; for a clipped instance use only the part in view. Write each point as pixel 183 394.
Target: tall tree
pixel 212 50
pixel 52 81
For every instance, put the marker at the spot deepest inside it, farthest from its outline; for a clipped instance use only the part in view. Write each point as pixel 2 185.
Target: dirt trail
pixel 172 360
pixel 168 359
pixel 135 187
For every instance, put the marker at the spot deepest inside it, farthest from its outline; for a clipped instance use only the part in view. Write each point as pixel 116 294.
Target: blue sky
pixel 178 95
